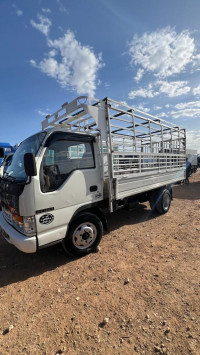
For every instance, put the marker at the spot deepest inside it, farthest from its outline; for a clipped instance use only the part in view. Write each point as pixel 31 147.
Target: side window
pixel 60 159
pixel 81 155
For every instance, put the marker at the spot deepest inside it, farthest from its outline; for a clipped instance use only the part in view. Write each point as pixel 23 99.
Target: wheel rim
pixel 166 201
pixel 84 235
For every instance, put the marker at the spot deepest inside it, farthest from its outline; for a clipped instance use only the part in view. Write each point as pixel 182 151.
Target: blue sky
pixel 146 53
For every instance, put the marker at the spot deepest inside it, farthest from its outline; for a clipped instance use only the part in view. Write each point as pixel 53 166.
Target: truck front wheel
pixel 84 235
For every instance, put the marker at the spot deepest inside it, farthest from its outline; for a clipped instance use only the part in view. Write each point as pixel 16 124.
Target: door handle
pixel 93 188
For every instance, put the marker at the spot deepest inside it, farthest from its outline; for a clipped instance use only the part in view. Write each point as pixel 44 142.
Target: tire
pixel 161 201
pixel 84 235
pixel 164 202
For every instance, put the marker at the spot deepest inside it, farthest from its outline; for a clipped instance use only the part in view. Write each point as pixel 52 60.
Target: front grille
pixel 9 194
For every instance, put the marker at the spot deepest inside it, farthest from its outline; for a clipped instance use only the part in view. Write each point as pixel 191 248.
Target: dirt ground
pixel 140 294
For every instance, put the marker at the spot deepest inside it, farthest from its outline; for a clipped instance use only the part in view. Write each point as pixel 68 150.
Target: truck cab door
pixel 70 178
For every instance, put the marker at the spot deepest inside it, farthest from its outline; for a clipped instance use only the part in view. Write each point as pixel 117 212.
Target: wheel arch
pixel 169 188
pixel 94 209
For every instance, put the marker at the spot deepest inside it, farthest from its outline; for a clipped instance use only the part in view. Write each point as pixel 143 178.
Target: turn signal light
pixel 17 218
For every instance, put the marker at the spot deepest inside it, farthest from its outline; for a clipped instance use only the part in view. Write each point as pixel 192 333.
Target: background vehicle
pixel 5 163
pixel 5 149
pixel 192 164
pixel 91 158
pixel 193 160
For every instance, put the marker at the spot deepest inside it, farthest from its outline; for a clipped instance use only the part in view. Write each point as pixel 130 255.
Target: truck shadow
pixel 189 191
pixel 16 266
pixel 138 214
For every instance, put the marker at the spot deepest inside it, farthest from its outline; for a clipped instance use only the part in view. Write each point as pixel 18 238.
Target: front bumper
pixel 20 241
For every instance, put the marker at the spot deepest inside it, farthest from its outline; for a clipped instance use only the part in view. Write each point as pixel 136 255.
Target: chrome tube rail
pixel 131 141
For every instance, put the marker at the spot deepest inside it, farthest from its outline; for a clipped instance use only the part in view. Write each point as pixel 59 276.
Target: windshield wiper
pixel 14 179
pixel 9 177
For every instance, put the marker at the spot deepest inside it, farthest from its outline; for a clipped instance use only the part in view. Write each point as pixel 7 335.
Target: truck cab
pixel 65 179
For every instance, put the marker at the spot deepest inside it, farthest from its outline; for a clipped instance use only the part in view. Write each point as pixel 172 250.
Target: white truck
pixel 91 158
pixel 193 160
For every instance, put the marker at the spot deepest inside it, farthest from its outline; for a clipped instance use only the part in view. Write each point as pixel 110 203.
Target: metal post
pixel 110 159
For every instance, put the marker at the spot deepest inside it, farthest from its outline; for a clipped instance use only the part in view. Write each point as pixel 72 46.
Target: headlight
pixel 29 225
pixel 25 224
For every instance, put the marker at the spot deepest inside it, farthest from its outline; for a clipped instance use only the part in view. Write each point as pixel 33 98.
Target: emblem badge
pixel 46 218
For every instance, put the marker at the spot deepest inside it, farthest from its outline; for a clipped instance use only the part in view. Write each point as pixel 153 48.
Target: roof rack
pixel 118 124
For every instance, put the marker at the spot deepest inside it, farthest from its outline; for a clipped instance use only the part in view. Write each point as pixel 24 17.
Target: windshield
pixel 31 145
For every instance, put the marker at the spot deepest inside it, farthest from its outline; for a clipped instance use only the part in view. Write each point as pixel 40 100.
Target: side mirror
pixel 29 164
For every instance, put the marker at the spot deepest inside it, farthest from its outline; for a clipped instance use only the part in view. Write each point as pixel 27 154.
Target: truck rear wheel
pixel 164 202
pixel 84 235
pixel 161 201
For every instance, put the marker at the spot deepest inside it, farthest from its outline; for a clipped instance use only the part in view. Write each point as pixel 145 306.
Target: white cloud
pixel 33 63
pixel 73 65
pixel 196 91
pixel 42 113
pixel 187 109
pixel 173 88
pixel 52 53
pixel 46 11
pixel 139 75
pixel 121 103
pixel 164 52
pixel 190 112
pixel 61 7
pixel 142 108
pixel 156 108
pixel 44 24
pixel 143 92
pixel 51 67
pixel 162 115
pixel 185 105
pixel 19 12
pixel 107 85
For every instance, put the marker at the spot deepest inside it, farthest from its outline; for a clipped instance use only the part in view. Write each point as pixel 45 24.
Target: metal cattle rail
pixel 139 152
pixel 142 143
